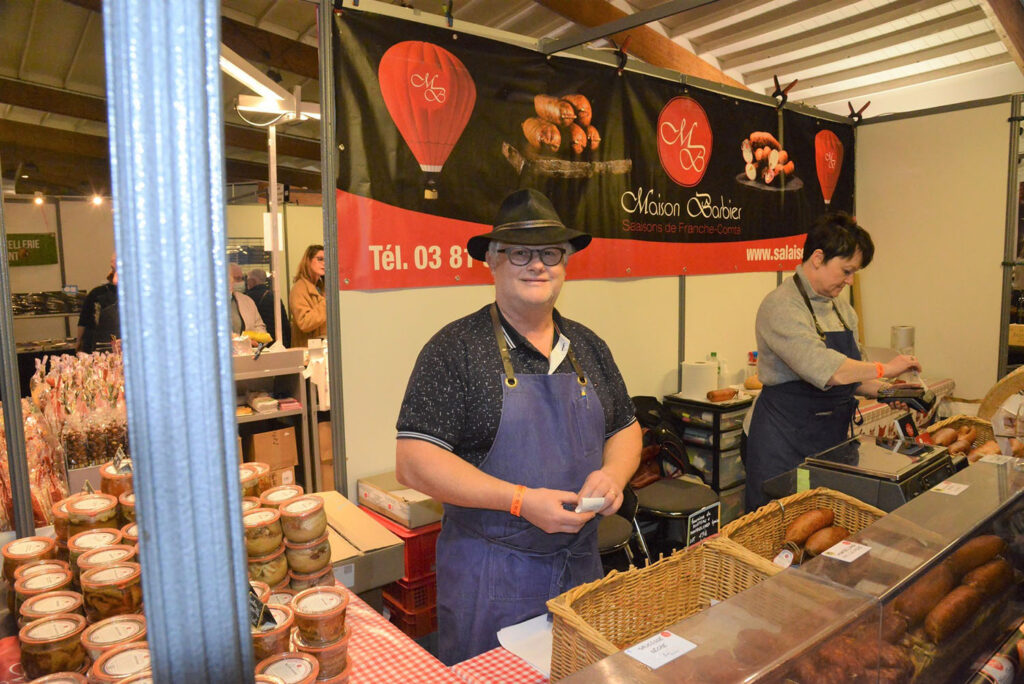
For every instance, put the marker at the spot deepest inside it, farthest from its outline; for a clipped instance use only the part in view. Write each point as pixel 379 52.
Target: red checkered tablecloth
pixel 381 652
pixel 498 666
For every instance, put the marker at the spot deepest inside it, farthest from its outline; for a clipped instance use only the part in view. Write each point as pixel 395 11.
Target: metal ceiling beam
pixel 1008 18
pixel 763 24
pixel 836 30
pixel 271 49
pixel 697 18
pixel 936 52
pixel 922 30
pixel 625 23
pixel 906 81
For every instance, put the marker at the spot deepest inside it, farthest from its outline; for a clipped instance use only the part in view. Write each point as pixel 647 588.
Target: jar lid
pixel 260 587
pixel 261 467
pixel 131 530
pixel 113 630
pixel 249 503
pixel 292 668
pixel 248 472
pixel 93 539
pixel 60 509
pixel 302 506
pixel 283 617
pixel 44 581
pixel 50 629
pixel 38 566
pixel 281 597
pixel 106 555
pixel 340 644
pixel 322 539
pixel 127 498
pixel 118 573
pixel 269 557
pixel 311 576
pixel 124 660
pixel 260 517
pixel 281 493
pixel 92 504
pixel 110 471
pixel 61 678
pixel 50 603
pixel 28 547
pixel 320 602
pixel 141 678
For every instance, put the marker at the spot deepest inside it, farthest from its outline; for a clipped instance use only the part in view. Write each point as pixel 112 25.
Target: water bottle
pixel 751 365
pixel 713 358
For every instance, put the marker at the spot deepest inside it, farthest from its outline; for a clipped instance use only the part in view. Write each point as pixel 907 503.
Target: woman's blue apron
pixel 495 569
pixel 795 419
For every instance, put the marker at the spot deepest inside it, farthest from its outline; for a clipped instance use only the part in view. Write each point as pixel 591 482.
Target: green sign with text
pixel 31 249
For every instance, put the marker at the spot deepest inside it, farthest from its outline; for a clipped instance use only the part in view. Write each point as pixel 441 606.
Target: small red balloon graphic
pixel 430 95
pixel 828 155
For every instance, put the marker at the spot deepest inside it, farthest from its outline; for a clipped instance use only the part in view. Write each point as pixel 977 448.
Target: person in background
pixel 808 359
pixel 244 315
pixel 512 417
pixel 262 292
pixel 306 301
pixel 100 323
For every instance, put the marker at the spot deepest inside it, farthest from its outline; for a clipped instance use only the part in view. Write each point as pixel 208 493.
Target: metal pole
pixel 10 395
pixel 167 174
pixel 275 259
pixel 332 286
pixel 1010 236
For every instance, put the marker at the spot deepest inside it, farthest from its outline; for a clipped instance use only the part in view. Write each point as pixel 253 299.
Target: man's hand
pixel 601 484
pixel 544 509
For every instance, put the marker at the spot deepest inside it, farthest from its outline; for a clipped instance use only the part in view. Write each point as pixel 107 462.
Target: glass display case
pixel 925 594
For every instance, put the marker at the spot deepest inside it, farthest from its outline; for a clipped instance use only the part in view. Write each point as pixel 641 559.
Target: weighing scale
pixel 880 471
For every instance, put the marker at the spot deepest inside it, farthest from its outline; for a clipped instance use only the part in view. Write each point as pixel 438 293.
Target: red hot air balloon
pixel 430 95
pixel 828 155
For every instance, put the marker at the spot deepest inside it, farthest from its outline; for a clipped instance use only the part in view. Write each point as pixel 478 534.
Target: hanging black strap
pixel 506 359
pixel 807 301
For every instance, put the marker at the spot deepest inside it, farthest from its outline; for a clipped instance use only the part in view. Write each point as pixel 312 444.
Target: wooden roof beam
pixel 1008 18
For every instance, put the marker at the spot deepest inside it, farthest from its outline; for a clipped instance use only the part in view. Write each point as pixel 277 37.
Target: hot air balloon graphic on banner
pixel 430 95
pixel 828 155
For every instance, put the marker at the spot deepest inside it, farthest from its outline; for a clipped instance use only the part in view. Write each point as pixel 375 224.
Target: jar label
pixel 117 631
pixel 44 581
pixel 111 574
pixel 249 505
pixel 95 540
pixel 302 505
pixel 52 629
pixel 127 662
pixel 108 556
pixel 290 669
pixel 91 503
pixel 40 569
pixel 53 604
pixel 26 547
pixel 282 598
pixel 281 494
pixel 133 531
pixel 259 518
pixel 319 602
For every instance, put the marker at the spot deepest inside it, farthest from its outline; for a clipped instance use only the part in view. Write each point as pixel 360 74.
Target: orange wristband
pixel 517 500
pixel 881 370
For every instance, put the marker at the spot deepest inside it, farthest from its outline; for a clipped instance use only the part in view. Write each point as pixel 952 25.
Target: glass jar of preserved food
pixel 320 578
pixel 320 613
pixel 61 524
pixel 249 475
pixel 52 644
pixel 112 590
pixel 27 587
pixel 113 482
pixel 25 550
pixel 121 662
pixel 100 637
pixel 276 638
pixel 262 531
pixel 106 555
pixel 34 568
pixel 332 656
pixel 281 596
pixel 264 478
pixel 88 540
pixel 275 496
pixel 308 557
pixel 303 519
pixel 131 534
pixel 126 503
pixel 291 668
pixel 91 512
pixel 271 568
pixel 50 603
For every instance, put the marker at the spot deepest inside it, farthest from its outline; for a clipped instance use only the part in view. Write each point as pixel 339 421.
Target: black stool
pixel 615 532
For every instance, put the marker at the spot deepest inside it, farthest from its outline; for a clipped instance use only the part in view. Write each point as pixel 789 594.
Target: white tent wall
pixel 931 190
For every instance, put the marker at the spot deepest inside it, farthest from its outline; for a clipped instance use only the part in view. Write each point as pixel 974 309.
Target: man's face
pixel 533 284
pixel 235 276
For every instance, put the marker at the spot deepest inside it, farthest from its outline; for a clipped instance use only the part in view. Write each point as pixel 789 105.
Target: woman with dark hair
pixel 808 359
pixel 308 307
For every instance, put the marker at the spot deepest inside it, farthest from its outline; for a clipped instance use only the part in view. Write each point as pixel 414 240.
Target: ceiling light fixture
pixel 97 200
pixel 272 98
pixel 38 198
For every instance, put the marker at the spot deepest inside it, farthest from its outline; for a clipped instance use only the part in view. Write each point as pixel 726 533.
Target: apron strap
pixel 807 301
pixel 499 335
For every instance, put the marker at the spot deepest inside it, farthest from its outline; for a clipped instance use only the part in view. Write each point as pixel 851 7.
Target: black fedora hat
pixel 526 217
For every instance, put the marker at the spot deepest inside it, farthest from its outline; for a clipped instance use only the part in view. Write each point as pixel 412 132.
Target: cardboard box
pixel 276 448
pixel 327 475
pixel 364 554
pixel 283 476
pixel 1016 335
pixel 324 437
pixel 386 495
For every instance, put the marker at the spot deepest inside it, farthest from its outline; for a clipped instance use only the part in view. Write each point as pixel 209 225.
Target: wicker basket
pixel 763 531
pixel 600 618
pixel 983 426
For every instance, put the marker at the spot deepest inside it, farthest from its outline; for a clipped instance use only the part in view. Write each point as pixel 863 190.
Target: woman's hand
pixel 901 364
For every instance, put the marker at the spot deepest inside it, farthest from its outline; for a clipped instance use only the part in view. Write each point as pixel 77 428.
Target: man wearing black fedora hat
pixel 514 417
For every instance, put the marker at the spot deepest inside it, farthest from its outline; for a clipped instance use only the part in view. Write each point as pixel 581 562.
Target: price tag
pixel 998 459
pixel 703 523
pixel 784 559
pixel 803 479
pixel 122 462
pixel 346 574
pixel 846 551
pixel 660 649
pixel 951 488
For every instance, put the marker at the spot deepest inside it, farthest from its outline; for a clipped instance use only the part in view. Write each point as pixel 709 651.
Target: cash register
pixel 880 471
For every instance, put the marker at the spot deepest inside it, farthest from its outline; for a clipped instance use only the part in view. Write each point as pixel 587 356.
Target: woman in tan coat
pixel 307 305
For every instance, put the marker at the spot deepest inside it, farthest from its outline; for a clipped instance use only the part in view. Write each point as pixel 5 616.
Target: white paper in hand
pixel 590 503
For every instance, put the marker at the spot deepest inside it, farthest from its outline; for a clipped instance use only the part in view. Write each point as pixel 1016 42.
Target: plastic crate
pixel 414 595
pixel 420 543
pixel 415 623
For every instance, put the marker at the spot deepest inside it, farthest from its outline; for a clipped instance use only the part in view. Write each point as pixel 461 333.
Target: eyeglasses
pixel 521 256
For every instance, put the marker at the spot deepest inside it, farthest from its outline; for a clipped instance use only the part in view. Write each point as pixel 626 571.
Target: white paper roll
pixel 901 338
pixel 699 378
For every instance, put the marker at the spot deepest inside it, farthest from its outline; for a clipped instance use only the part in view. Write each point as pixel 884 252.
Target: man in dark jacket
pixel 262 292
pixel 99 322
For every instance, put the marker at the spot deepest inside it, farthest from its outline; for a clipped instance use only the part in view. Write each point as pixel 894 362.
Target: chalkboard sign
pixel 702 524
pixel 259 616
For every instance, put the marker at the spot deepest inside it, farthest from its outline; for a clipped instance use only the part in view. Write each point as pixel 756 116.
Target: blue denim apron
pixel 495 569
pixel 795 419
